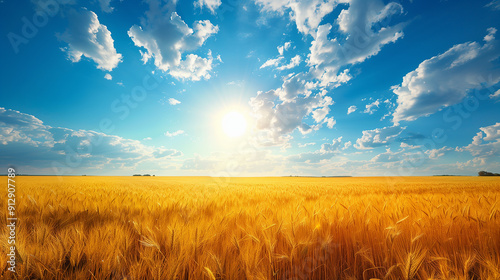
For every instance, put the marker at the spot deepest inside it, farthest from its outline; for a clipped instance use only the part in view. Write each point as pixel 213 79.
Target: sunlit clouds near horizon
pixel 250 88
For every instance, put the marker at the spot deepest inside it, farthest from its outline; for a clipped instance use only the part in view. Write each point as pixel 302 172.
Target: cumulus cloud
pixel 272 62
pixel 175 133
pixel 485 144
pixel 281 111
pixel 275 62
pixel 193 68
pixel 106 6
pixel 330 122
pixel 437 153
pixel 319 114
pixel 173 101
pixel 364 31
pixel 445 79
pixel 27 142
pixel 284 47
pixel 307 15
pixel 388 156
pixel 86 36
pixel 371 108
pixel 363 25
pixel 212 5
pixel 495 95
pixel 22 128
pixel 408 146
pixel 333 147
pixel 410 156
pixel 351 109
pixel 108 77
pixel 294 86
pixel 295 61
pixel 164 38
pixel 378 137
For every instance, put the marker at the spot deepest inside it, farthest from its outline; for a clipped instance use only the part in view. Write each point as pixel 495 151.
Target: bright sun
pixel 234 124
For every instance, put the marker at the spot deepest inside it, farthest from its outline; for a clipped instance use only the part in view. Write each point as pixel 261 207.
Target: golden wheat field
pixel 255 228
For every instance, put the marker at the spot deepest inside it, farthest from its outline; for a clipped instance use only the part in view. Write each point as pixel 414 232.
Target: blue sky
pixel 323 87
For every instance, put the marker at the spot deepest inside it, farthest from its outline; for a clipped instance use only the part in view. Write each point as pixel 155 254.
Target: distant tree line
pixel 142 175
pixel 486 173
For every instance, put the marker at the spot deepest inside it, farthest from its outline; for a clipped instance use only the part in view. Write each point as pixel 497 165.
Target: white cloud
pixel 495 95
pixel 212 5
pixel 173 101
pixel 485 146
pixel 437 153
pixel 320 113
pixel 295 61
pixel 378 137
pixel 330 122
pixel 108 77
pixel 445 79
pixel 351 109
pixel 22 128
pixel 175 133
pixel 285 47
pixel 279 112
pixel 293 87
pixel 333 147
pixel 106 6
pixel 414 157
pixel 475 163
pixel 347 145
pixel 307 15
pixel 193 68
pixel 362 24
pixel 492 132
pixel 272 62
pixel 273 5
pixel 388 156
pixel 408 146
pixel 491 35
pixel 86 36
pixel 166 37
pixel 372 107
pixel 27 142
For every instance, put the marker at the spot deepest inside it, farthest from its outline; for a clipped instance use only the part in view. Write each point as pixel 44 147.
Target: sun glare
pixel 234 124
